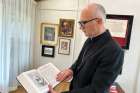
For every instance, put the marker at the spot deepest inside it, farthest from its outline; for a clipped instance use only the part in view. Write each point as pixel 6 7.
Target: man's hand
pixel 64 75
pixel 51 89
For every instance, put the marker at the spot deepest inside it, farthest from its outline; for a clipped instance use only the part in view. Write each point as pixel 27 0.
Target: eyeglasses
pixel 82 23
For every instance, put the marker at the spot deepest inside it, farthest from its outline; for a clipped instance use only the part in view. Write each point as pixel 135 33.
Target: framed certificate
pixel 120 28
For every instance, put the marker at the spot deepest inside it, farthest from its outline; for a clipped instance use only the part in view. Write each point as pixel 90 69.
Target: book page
pixel 33 82
pixel 49 72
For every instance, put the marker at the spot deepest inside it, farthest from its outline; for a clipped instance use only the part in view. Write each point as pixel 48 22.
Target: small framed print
pixel 66 28
pixel 48 51
pixel 49 34
pixel 120 27
pixel 64 46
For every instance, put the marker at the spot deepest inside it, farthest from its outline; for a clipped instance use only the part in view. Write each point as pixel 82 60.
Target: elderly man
pixel 100 60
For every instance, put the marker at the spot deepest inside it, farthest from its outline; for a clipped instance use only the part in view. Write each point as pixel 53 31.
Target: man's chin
pixel 87 35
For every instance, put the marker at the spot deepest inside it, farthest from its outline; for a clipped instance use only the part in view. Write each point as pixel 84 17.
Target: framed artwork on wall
pixel 120 27
pixel 64 46
pixel 66 27
pixel 48 51
pixel 49 34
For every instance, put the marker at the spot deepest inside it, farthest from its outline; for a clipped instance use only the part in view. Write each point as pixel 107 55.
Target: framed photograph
pixel 48 51
pixel 66 27
pixel 49 34
pixel 120 28
pixel 64 46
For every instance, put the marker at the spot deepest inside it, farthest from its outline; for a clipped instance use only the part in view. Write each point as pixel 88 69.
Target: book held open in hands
pixel 37 80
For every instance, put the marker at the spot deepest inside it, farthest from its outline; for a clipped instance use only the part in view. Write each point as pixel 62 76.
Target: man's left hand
pixel 51 90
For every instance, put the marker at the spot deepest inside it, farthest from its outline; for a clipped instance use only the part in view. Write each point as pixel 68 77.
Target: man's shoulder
pixel 112 45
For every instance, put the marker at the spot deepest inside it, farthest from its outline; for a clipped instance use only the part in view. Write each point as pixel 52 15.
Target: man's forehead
pixel 87 14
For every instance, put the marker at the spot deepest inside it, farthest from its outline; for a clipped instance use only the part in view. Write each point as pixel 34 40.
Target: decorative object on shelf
pixel 66 27
pixel 120 27
pixel 48 51
pixel 64 46
pixel 49 34
pixel 116 88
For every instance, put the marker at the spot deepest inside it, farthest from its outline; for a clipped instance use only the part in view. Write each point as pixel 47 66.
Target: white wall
pixel 138 76
pixel 52 10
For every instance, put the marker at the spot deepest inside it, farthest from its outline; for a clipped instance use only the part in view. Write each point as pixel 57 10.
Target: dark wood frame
pixel 45 54
pixel 124 42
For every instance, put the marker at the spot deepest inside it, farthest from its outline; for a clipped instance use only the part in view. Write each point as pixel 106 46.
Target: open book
pixel 37 80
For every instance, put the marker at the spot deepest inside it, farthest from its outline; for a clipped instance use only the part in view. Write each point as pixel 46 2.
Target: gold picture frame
pixel 49 34
pixel 66 27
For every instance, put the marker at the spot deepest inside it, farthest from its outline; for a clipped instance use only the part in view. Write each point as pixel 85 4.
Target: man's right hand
pixel 64 75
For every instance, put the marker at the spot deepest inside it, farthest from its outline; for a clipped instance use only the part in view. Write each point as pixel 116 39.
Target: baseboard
pixel 13 88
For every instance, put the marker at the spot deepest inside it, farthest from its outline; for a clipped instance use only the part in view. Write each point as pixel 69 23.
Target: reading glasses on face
pixel 82 23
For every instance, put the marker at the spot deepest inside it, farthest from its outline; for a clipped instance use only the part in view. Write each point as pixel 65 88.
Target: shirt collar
pixel 102 38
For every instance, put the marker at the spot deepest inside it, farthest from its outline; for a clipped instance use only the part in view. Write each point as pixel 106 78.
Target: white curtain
pixel 17 20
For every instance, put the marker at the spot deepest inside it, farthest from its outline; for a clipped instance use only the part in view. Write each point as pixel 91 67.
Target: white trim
pixel 34 2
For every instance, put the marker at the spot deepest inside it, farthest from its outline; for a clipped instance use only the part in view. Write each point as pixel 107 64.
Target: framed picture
pixel 49 34
pixel 48 51
pixel 120 27
pixel 66 27
pixel 64 46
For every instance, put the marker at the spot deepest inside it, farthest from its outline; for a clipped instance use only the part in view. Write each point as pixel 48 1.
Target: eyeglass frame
pixel 82 23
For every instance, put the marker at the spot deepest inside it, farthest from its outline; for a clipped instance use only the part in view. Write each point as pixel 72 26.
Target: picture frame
pixel 120 27
pixel 64 46
pixel 66 27
pixel 49 34
pixel 48 51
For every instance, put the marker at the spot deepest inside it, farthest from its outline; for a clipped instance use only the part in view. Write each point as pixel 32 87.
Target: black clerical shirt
pixel 98 65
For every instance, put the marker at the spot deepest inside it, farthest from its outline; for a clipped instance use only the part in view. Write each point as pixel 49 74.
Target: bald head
pixel 94 10
pixel 92 20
